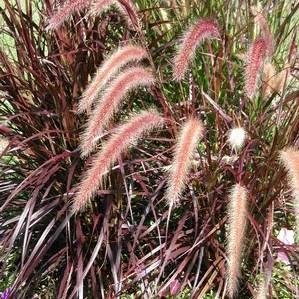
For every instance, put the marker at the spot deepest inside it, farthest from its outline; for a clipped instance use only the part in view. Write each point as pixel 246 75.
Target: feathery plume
pixel 237 223
pixel 255 59
pixel 188 139
pixel 261 21
pixel 204 28
pixel 236 137
pixel 65 11
pixel 290 159
pixel 119 142
pixel 110 67
pixel 109 102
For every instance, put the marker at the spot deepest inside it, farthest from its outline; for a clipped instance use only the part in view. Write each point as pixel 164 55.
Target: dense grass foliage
pixel 128 242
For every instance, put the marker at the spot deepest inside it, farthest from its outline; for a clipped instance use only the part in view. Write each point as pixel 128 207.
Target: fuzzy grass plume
pixel 204 28
pixel 65 11
pixel 237 223
pixel 188 139
pixel 131 78
pixel 237 137
pixel 290 159
pixel 255 59
pixel 119 142
pixel 110 67
pixel 261 20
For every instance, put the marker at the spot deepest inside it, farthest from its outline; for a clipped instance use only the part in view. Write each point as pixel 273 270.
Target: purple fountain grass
pixel 110 67
pixel 237 223
pixel 131 78
pixel 204 28
pixel 255 59
pixel 65 11
pixel 290 159
pixel 188 139
pixel 119 142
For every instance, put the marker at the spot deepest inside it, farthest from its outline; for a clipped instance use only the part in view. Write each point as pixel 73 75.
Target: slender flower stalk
pixel 119 142
pixel 65 11
pixel 109 68
pixel 203 29
pixel 188 139
pixel 237 223
pixel 290 159
pixel 110 101
pixel 255 59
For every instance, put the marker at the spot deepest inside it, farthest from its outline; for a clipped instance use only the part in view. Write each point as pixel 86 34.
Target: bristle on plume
pixel 109 68
pixel 111 99
pixel 203 29
pixel 66 11
pixel 98 6
pixel 237 223
pixel 119 142
pixel 125 7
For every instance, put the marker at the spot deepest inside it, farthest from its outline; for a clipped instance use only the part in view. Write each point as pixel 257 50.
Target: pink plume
pixel 255 59
pixel 237 210
pixel 65 11
pixel 261 21
pixel 109 68
pixel 110 101
pixel 204 28
pixel 119 142
pixel 188 139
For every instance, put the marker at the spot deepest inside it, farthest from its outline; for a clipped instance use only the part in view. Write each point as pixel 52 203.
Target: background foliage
pixel 120 238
